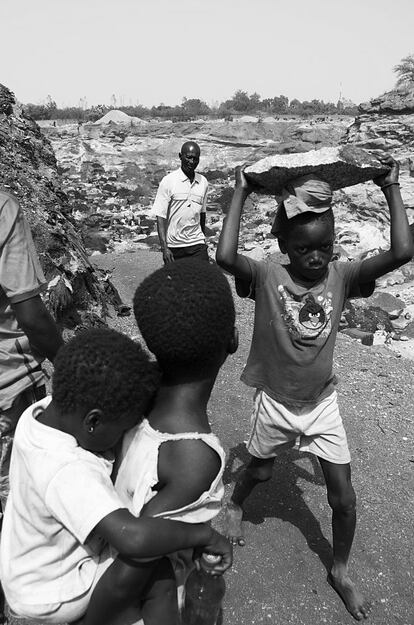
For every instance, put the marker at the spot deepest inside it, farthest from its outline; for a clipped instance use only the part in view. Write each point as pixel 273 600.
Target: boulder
pixel 366 318
pixel 340 167
pixel 386 301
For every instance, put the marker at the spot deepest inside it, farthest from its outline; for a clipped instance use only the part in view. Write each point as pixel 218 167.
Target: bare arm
pixel 401 249
pixel 203 223
pixel 39 326
pixel 162 225
pixel 227 255
pixel 142 537
pixel 196 466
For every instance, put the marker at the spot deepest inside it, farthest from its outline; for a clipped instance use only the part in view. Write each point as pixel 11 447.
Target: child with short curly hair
pixel 172 464
pixel 63 513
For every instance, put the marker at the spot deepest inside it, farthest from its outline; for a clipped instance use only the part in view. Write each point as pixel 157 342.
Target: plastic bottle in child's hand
pixel 204 593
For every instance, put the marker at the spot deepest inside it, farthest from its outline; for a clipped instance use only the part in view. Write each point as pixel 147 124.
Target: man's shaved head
pixel 190 146
pixel 189 157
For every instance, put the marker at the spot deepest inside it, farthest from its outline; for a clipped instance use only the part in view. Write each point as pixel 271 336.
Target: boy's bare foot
pixel 233 524
pixel 354 602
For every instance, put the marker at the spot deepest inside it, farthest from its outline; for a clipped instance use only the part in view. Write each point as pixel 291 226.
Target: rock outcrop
pixel 77 295
pixel 397 102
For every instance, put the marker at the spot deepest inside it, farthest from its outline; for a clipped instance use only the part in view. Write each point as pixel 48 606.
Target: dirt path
pixel 278 578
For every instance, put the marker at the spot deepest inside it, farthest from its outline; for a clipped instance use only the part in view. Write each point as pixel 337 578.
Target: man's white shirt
pixel 181 202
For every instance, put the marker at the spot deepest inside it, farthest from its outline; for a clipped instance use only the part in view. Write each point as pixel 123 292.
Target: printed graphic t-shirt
pixel 295 329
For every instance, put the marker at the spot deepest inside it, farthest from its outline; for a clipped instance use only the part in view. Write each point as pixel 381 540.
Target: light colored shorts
pixel 320 430
pixel 67 611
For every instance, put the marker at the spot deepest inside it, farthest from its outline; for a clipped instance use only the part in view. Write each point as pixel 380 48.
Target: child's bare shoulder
pixel 189 461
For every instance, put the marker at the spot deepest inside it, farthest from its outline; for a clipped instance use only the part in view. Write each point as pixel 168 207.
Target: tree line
pixel 241 103
pixel 193 108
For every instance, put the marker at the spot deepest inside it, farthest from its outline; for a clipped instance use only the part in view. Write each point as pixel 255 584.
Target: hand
pixel 167 256
pixel 240 179
pixel 390 177
pixel 219 545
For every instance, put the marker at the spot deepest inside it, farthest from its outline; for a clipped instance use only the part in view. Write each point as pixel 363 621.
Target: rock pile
pixel 119 117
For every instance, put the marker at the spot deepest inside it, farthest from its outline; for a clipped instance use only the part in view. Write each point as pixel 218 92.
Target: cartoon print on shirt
pixel 308 317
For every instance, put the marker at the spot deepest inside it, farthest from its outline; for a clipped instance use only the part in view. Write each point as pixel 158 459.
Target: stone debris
pixel 111 173
pixel 118 117
pixel 340 167
pixel 366 338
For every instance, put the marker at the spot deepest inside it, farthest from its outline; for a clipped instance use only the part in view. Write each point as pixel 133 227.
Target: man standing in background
pixel 180 208
pixel 28 333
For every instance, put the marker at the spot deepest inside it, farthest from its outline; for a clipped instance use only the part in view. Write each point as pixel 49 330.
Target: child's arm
pixel 196 466
pixel 141 537
pixel 226 255
pixel 401 249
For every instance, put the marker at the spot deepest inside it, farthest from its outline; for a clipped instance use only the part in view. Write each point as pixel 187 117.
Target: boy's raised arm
pixel 401 249
pixel 151 538
pixel 226 255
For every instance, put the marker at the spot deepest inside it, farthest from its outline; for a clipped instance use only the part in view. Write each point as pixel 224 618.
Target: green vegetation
pixel 240 104
pixel 405 71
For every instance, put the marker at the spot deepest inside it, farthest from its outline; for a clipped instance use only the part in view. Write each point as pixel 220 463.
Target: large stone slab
pixel 340 167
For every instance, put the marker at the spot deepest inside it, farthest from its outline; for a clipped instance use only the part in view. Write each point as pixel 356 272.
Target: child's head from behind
pixel 103 383
pixel 305 228
pixel 186 315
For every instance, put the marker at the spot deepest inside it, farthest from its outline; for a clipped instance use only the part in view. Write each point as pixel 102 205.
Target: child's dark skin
pixel 131 537
pixel 309 248
pixel 180 406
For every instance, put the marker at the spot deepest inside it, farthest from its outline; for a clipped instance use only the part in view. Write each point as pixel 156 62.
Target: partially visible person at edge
pixel 298 306
pixel 28 333
pixel 180 208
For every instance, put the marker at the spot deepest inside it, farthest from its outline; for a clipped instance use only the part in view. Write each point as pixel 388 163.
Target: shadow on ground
pixel 282 497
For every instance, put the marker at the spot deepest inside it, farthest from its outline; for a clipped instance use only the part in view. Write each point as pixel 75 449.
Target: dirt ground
pixel 279 577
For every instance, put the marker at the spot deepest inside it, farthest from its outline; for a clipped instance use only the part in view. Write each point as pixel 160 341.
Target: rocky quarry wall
pixel 77 295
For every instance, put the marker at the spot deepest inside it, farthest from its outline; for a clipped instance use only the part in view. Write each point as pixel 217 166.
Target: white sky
pixel 158 51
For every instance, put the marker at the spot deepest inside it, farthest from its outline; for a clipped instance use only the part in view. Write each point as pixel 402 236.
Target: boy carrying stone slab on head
pixel 297 312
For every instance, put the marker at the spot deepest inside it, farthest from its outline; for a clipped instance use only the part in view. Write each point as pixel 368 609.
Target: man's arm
pixel 142 537
pixel 226 255
pixel 203 212
pixel 39 326
pixel 203 223
pixel 401 249
pixel 162 225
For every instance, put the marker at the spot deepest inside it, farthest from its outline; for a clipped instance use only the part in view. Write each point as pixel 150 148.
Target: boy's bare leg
pixel 128 590
pixel 258 470
pixel 341 497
